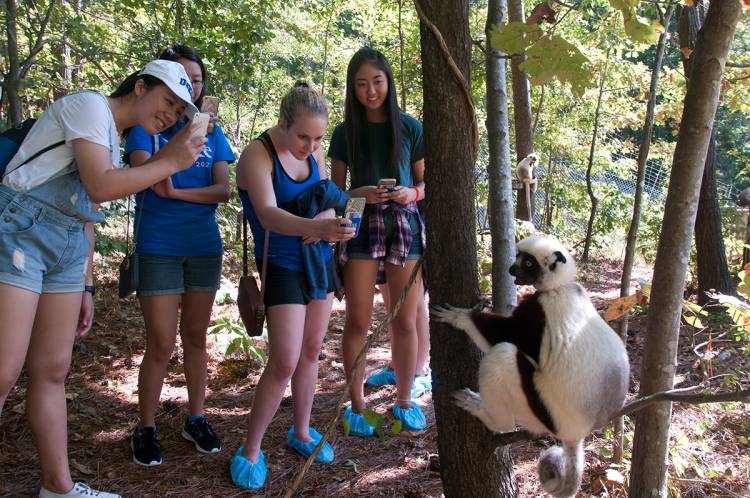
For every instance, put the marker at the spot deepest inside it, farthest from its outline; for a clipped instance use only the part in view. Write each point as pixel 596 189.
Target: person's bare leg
pixel 160 316
pixel 47 364
pixel 17 309
pixel 423 331
pixel 404 352
pixel 286 324
pixel 194 320
pixel 359 284
pixel 305 378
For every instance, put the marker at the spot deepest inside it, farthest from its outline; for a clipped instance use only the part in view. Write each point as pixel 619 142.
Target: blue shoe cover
pixel 412 418
pixel 358 426
pixel 382 377
pixel 246 474
pixel 422 384
pixel 325 455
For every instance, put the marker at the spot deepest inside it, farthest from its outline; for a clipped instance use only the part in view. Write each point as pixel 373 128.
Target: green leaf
pixel 373 418
pixel 234 346
pixel 553 57
pixel 640 32
pixel 396 427
pixel 510 38
pixel 694 321
pixel 381 433
pixel 345 425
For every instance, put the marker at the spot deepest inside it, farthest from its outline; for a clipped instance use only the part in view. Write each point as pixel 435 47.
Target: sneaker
pixel 201 434
pixel 358 426
pixel 325 455
pixel 422 384
pixel 412 418
pixel 79 490
pixel 383 377
pixel 145 446
pixel 246 474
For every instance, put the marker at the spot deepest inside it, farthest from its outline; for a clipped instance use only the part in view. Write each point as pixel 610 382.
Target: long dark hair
pixel 128 86
pixel 177 52
pixel 355 117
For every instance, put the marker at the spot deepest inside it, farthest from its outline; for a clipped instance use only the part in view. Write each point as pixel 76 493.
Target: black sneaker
pixel 202 435
pixel 145 446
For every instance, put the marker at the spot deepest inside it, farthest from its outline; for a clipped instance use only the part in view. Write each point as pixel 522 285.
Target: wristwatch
pixel 90 288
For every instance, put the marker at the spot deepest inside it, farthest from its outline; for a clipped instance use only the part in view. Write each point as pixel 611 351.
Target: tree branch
pixel 39 44
pixel 740 65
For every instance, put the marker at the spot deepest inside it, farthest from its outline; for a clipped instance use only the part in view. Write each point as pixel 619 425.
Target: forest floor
pixel 710 448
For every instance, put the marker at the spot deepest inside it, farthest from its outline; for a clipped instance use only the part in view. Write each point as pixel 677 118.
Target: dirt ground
pixel 710 443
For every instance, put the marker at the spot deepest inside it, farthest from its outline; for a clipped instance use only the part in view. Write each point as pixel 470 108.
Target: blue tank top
pixel 283 250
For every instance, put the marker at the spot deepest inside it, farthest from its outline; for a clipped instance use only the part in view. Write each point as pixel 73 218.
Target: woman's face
pixel 157 108
pixel 193 70
pixel 371 87
pixel 305 134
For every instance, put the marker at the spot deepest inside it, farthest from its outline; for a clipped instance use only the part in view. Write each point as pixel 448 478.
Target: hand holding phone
pixel 387 183
pixel 199 125
pixel 353 211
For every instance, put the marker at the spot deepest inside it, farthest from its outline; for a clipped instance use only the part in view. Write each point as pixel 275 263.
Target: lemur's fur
pixel 554 366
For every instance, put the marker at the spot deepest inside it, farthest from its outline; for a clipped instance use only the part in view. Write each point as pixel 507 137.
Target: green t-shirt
pixel 377 149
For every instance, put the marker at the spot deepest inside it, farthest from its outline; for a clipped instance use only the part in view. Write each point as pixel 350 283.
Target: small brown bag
pixel 249 296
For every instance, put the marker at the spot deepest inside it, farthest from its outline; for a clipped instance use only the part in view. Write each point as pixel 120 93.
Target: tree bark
pixel 521 115
pixel 469 464
pixel 627 266
pixel 712 267
pixel 648 475
pixel 502 228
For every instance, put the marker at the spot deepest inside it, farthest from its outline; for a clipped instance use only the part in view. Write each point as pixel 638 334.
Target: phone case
pixel 199 125
pixel 355 206
pixel 388 183
pixel 210 104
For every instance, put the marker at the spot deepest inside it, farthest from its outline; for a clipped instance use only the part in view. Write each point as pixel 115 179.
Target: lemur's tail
pixel 560 469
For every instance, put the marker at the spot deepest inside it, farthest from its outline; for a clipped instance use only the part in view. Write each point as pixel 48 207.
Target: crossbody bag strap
pixel 155 149
pixel 265 267
pixel 244 245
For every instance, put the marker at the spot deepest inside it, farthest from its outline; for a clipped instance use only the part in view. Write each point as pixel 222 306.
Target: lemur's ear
pixel 560 257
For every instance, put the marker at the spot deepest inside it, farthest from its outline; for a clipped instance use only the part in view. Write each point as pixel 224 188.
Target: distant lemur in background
pixel 554 366
pixel 525 174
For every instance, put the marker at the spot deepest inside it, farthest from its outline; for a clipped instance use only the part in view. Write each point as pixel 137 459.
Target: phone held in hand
pixel 199 125
pixel 210 106
pixel 355 206
pixel 388 183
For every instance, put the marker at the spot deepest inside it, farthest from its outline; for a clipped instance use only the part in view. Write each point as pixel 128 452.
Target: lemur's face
pixel 526 269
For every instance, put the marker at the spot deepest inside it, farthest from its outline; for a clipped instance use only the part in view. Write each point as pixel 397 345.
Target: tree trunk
pixel 627 266
pixel 712 267
pixel 469 464
pixel 521 115
pixel 648 475
pixel 12 80
pixel 592 149
pixel 499 169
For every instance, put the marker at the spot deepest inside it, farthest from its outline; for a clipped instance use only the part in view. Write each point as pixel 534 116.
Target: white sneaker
pixel 80 490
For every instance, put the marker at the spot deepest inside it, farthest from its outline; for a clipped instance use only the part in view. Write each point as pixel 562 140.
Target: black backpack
pixel 11 140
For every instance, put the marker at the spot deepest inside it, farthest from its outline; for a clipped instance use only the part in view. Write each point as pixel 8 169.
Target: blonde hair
pixel 302 98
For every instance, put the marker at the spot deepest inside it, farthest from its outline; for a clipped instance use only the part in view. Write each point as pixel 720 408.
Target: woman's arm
pixel 104 182
pixel 254 175
pixel 407 194
pixel 86 315
pixel 211 194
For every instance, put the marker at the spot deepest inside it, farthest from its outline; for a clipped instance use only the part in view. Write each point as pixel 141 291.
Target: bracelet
pixel 89 288
pixel 416 189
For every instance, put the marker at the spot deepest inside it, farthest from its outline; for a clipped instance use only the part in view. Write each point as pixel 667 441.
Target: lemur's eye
pixel 528 264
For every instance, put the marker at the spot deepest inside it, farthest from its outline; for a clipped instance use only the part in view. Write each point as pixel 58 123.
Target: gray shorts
pixel 41 249
pixel 163 275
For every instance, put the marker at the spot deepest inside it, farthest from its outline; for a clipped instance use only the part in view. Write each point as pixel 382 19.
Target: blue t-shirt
pixel 171 227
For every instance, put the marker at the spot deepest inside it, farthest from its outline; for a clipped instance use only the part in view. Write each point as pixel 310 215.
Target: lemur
pixel 554 366
pixel 525 173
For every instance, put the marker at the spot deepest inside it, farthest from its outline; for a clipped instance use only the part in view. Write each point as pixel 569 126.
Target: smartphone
pixel 199 125
pixel 210 105
pixel 355 206
pixel 388 183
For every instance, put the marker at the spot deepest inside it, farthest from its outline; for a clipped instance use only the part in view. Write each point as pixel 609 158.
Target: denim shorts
pixel 41 249
pixel 162 275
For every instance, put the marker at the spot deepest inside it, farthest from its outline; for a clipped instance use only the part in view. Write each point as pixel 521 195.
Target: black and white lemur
pixel 554 366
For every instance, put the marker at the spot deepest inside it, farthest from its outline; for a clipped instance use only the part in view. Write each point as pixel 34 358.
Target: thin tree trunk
pixel 498 169
pixel 592 150
pixel 402 78
pixel 648 477
pixel 469 462
pixel 627 266
pixel 12 81
pixel 521 116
